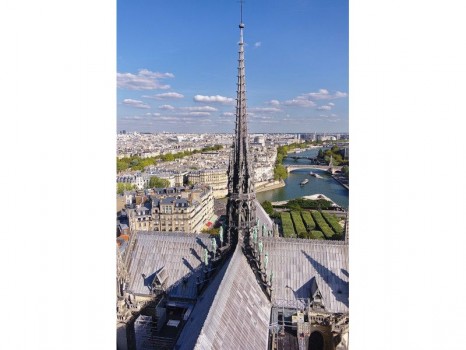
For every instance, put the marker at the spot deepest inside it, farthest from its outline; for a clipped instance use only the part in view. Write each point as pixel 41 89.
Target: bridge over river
pixel 312 159
pixel 291 167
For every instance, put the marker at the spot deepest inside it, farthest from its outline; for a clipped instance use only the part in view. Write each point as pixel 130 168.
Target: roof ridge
pixel 226 297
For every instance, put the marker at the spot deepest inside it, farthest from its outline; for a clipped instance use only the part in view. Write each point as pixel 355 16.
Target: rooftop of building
pixel 295 262
pixel 238 317
pixel 177 252
pixel 234 299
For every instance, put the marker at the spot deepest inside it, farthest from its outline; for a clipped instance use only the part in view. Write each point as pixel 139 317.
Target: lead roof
pixel 180 254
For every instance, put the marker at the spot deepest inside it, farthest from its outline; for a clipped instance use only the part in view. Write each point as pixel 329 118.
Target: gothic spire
pixel 241 194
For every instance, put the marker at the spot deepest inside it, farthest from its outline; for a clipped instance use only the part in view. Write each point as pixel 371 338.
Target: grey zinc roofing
pixel 167 200
pixel 240 313
pixel 180 254
pixel 191 330
pixel 263 217
pixel 181 202
pixel 295 262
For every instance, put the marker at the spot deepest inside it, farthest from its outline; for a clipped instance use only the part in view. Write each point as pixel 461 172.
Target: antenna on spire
pixel 241 24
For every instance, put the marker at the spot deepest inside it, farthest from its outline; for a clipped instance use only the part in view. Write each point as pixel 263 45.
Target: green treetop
pixel 158 182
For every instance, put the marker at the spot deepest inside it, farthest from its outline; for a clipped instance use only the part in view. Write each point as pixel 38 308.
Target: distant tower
pixel 241 211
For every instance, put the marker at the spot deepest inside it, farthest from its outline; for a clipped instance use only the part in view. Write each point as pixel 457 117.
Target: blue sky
pixel 177 65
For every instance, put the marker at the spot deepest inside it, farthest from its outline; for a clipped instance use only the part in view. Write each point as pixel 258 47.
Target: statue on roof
pixel 254 234
pixel 220 234
pixel 261 246
pixel 214 245
pixel 206 257
pixel 266 260
pixel 264 230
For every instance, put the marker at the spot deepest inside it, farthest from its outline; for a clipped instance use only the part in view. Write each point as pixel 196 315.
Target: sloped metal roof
pixel 263 217
pixel 240 313
pixel 294 262
pixel 180 254
pixel 233 312
pixel 167 200
pixel 191 330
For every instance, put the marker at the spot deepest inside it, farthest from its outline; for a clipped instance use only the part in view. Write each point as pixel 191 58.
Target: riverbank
pixel 267 186
pixel 339 180
pixel 326 185
pixel 300 150
pixel 311 197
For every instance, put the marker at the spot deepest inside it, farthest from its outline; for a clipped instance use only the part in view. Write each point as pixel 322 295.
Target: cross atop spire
pixel 241 25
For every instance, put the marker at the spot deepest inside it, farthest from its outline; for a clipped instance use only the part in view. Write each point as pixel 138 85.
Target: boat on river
pixel 315 175
pixel 305 181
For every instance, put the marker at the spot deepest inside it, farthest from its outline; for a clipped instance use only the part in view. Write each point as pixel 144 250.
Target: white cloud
pixel 199 109
pixel 167 118
pixel 328 118
pixel 135 103
pixel 167 107
pixel 266 121
pixel 257 44
pixel 199 114
pixel 153 114
pixel 321 95
pixel 228 114
pixel 339 94
pixel 261 117
pixel 216 98
pixel 299 102
pixel 274 103
pixel 324 108
pixel 265 109
pixel 144 80
pixel 165 96
pixel 307 100
pixel 189 111
pixel 225 120
pixel 133 117
pixel 191 114
pixel 324 94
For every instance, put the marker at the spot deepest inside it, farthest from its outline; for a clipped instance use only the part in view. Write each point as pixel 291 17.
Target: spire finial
pixel 241 1
pixel 241 24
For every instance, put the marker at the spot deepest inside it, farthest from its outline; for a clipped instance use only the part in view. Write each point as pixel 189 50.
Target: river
pixel 325 185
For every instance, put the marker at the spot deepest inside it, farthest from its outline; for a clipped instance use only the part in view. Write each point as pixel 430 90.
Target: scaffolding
pixel 146 335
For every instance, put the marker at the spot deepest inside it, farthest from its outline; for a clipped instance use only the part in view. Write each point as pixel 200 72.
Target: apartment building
pixel 216 178
pixel 184 209
pixel 138 179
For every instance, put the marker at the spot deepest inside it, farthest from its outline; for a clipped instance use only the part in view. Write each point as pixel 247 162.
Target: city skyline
pixel 181 78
